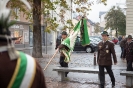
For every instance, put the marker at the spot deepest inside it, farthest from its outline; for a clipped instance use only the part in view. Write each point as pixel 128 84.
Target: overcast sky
pixel 96 8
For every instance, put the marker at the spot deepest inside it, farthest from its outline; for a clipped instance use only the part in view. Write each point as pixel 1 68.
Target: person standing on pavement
pixel 128 53
pixel 120 38
pixel 62 56
pixel 122 45
pixel 104 59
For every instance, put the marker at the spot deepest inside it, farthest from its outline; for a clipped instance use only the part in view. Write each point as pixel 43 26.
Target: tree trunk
pixel 37 40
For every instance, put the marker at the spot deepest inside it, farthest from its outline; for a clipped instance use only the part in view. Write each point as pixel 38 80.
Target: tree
pixel 116 20
pixel 43 7
pixel 37 46
pixel 97 27
pixel 40 7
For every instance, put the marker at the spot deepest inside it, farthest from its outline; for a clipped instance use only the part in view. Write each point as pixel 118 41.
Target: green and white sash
pixel 24 72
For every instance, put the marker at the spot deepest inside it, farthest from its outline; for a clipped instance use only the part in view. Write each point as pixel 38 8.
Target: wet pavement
pixel 81 80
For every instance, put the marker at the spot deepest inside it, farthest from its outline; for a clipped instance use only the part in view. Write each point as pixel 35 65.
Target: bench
pixel 61 71
pixel 129 78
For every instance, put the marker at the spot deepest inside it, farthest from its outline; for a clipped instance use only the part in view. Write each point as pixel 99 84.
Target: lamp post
pixel 46 16
pixel 115 14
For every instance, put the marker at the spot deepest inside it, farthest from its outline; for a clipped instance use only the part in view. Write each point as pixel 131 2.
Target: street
pixel 81 80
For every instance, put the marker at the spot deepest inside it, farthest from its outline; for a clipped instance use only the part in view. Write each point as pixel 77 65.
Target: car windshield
pixel 98 37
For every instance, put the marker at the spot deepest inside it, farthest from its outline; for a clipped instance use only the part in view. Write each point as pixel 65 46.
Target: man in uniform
pixel 62 56
pixel 104 60
pixel 128 53
pixel 17 69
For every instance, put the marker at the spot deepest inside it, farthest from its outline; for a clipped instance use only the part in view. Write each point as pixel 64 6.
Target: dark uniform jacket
pixel 128 51
pixel 7 68
pixel 60 46
pixel 105 51
pixel 123 43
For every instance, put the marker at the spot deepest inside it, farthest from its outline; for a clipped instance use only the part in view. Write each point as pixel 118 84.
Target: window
pixel 20 35
pixel 17 13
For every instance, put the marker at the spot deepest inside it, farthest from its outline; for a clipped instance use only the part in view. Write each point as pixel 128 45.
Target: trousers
pixel 129 65
pixel 102 75
pixel 122 52
pixel 63 64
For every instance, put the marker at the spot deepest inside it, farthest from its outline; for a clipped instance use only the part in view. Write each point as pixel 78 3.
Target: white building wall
pixel 93 32
pixel 68 15
pixel 129 17
pixel 102 20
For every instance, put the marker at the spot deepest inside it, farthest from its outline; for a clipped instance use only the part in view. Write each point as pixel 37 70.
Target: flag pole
pixel 51 58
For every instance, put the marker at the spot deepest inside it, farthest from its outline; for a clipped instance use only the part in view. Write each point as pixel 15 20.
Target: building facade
pixel 91 27
pixel 129 17
pixel 21 30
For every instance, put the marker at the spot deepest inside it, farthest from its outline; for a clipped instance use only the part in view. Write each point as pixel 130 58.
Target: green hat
pixel 129 37
pixel 64 33
pixel 105 33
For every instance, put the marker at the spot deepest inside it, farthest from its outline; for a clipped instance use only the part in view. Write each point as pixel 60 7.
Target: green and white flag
pixel 85 40
pixel 70 40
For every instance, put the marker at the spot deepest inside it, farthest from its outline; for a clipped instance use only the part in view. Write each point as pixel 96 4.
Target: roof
pixel 101 13
pixel 91 23
pixel 101 29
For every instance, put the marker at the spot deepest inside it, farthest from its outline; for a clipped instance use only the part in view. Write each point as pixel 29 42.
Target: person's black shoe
pixel 113 86
pixel 101 86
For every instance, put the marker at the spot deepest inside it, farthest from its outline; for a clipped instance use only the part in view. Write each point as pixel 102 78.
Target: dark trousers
pixel 63 64
pixel 102 75
pixel 129 65
pixel 122 52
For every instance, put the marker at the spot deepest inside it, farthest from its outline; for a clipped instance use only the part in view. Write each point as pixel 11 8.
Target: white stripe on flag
pixel 29 72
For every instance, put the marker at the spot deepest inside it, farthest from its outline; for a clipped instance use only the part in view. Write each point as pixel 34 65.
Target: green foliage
pixel 70 22
pixel 65 27
pixel 63 3
pixel 116 20
pixel 83 6
pixel 51 25
pixel 104 2
pixel 47 6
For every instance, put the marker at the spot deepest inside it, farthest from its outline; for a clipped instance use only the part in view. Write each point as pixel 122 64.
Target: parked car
pixel 88 48
pixel 115 40
pixel 99 37
pixel 98 40
pixel 94 41
pixel 92 47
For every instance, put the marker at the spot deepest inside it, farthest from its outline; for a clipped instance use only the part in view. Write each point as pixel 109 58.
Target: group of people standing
pixel 104 59
pixel 126 45
pixel 104 56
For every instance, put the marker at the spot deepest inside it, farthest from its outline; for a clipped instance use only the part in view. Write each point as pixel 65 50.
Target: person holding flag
pixel 62 56
pixel 68 43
